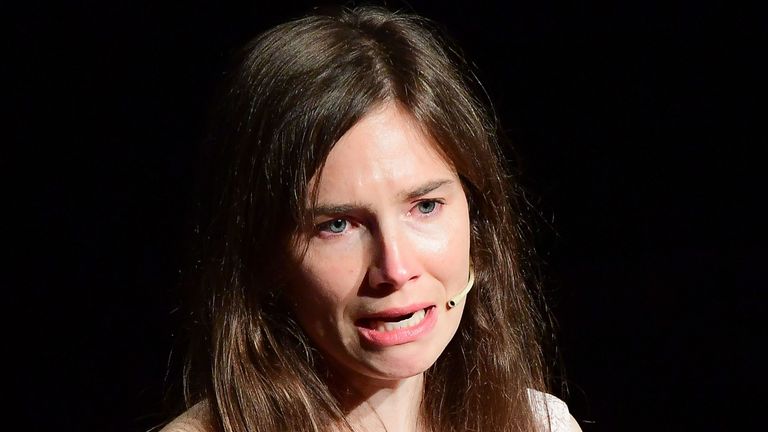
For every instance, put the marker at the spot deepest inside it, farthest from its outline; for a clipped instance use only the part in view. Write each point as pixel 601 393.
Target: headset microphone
pixel 453 301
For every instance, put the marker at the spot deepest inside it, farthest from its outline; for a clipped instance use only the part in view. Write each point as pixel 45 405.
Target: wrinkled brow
pixel 419 191
pixel 423 189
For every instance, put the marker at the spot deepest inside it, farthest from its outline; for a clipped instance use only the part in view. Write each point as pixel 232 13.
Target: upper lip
pixel 395 311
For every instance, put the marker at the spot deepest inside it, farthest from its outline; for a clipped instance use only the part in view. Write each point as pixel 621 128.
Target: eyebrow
pixel 423 189
pixel 419 191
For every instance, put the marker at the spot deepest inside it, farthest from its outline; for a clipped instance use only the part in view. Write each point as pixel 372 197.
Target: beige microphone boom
pixel 453 301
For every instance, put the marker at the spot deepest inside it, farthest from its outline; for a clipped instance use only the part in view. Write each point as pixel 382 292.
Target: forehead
pixel 386 151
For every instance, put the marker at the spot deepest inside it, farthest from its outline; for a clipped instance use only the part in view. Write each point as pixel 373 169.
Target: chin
pixel 401 365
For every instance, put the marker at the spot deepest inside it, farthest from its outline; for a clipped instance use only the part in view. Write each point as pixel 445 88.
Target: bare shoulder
pixel 195 419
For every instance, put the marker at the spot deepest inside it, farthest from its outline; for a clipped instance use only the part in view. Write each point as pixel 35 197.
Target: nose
pixel 395 261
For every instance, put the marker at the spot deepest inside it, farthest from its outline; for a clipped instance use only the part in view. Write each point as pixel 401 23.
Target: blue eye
pixel 426 207
pixel 336 226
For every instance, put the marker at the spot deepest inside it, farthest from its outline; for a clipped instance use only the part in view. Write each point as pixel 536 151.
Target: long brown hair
pixel 298 88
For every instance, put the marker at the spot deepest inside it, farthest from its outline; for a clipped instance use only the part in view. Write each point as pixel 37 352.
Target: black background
pixel 635 125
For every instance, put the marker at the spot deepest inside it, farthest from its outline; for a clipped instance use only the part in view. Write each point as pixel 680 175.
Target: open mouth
pixel 388 324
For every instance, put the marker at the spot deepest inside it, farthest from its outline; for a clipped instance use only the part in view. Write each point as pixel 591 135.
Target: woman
pixel 363 271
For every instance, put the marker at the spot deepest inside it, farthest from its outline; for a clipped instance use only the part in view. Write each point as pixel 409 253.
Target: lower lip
pixel 400 336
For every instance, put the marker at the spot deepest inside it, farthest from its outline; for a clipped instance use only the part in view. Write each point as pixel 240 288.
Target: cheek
pixel 314 308
pixel 448 241
pixel 324 290
pixel 322 302
pixel 455 258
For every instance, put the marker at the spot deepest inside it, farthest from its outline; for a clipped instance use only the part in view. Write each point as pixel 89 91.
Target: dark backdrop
pixel 635 125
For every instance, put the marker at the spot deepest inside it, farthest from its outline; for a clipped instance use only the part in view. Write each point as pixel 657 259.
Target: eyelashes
pixel 340 225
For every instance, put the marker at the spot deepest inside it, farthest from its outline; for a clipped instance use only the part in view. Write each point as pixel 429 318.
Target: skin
pixel 392 230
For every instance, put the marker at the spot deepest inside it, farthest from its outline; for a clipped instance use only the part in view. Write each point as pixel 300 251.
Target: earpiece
pixel 453 301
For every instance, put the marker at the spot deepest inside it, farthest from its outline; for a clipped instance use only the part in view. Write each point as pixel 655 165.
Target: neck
pixel 381 405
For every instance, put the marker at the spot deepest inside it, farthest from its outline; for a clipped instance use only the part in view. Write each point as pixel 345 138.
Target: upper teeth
pixel 408 322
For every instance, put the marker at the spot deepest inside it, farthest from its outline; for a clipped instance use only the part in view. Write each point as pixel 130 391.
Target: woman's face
pixel 390 247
